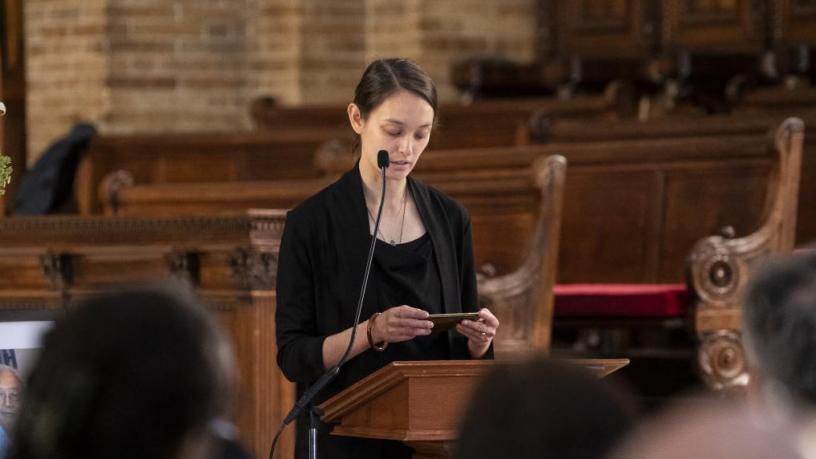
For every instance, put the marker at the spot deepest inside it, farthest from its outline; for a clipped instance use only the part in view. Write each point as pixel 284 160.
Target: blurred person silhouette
pixel 709 429
pixel 543 409
pixel 779 334
pixel 142 373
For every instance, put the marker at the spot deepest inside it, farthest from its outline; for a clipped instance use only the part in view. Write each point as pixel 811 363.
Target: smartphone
pixel 449 321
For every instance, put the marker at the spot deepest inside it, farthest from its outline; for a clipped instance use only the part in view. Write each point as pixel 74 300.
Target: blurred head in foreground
pixel 541 408
pixel 134 374
pixel 709 429
pixel 779 326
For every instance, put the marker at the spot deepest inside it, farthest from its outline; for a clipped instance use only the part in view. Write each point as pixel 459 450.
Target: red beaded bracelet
pixel 377 347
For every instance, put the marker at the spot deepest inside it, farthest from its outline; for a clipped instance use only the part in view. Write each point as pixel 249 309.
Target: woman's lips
pixel 401 163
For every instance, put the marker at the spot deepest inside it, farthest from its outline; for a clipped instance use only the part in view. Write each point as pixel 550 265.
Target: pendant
pixel 393 242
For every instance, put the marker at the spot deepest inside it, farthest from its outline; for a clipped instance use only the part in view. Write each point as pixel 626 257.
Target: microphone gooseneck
pixel 383 162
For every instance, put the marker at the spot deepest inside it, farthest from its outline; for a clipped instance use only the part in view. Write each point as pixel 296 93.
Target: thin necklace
pixel 402 226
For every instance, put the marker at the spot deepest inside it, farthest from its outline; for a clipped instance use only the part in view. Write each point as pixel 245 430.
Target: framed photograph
pixel 21 334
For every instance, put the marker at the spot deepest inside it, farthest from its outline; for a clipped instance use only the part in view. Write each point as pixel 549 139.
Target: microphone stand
pixel 306 399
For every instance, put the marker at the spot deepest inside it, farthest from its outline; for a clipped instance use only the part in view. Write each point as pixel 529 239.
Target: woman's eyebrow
pixel 393 121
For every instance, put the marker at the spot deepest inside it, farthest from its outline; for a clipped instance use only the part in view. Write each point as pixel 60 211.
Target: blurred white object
pixel 23 335
pixel 2 109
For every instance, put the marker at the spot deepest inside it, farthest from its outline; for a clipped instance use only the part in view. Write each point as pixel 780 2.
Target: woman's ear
pixel 355 118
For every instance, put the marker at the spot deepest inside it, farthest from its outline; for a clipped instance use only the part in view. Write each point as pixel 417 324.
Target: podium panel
pixel 420 403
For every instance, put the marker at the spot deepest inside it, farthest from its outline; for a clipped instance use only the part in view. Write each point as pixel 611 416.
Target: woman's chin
pixel 398 173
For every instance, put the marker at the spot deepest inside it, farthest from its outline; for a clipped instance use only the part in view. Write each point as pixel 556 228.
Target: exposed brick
pixel 194 65
pixel 140 83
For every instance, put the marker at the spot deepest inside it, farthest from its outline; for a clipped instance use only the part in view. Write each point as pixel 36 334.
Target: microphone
pixel 383 161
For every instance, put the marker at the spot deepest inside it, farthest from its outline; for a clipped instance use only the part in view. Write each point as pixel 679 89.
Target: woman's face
pixel 401 125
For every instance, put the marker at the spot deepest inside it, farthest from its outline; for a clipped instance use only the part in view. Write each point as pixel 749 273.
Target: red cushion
pixel 620 300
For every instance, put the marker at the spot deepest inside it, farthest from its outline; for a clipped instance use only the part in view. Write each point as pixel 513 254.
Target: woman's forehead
pixel 405 108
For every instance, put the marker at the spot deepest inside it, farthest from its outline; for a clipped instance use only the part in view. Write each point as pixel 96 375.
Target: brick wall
pixel 452 31
pixel 274 49
pixel 66 69
pixel 176 65
pixel 332 49
pixel 136 66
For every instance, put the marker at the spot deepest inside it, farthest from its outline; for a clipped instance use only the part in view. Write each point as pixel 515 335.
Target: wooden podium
pixel 419 403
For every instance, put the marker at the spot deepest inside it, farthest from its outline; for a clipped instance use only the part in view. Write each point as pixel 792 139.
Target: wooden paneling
pixel 793 22
pixel 50 262
pixel 606 28
pixel 702 201
pixel 713 26
pixel 603 209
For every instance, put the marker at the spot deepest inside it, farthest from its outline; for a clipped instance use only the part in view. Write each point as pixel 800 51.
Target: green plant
pixel 5 173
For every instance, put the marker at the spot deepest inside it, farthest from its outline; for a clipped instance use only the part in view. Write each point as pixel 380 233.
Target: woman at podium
pixel 423 260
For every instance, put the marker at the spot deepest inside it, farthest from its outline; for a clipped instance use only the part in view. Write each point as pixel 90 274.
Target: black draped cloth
pixel 320 270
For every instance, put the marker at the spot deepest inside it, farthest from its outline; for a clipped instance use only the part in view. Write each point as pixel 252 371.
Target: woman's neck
pixel 372 187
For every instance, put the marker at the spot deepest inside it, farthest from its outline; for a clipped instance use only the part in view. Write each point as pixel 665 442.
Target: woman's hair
pixel 383 77
pixel 128 375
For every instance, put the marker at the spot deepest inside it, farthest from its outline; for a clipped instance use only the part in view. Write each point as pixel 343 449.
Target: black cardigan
pixel 320 269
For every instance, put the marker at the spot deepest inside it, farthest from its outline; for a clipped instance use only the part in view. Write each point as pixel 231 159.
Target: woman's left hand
pixel 479 333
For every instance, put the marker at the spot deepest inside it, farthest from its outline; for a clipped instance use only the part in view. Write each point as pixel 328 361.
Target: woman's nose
pixel 406 145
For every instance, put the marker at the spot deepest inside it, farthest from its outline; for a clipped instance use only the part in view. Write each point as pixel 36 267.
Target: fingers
pixel 406 317
pixel 408 312
pixel 403 323
pixel 472 334
pixel 481 331
pixel 478 328
pixel 409 323
pixel 488 318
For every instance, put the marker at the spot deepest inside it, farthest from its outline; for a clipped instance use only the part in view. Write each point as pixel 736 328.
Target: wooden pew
pixel 755 122
pixel 50 262
pixel 287 139
pixel 775 100
pixel 526 202
pixel 627 203
pixel 549 128
pixel 180 158
pixel 720 266
pixel 478 124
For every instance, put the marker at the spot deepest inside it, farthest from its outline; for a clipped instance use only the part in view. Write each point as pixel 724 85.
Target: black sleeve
pixel 300 348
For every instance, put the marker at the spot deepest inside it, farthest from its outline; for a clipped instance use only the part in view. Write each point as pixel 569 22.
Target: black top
pixel 407 274
pixel 320 269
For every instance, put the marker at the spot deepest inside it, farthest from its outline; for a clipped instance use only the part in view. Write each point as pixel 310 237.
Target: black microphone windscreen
pixel 382 159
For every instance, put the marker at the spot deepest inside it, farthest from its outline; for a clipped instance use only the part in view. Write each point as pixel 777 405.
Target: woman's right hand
pixel 401 323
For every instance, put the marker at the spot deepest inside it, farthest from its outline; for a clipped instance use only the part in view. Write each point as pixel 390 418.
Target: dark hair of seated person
pixel 779 318
pixel 134 374
pixel 543 409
